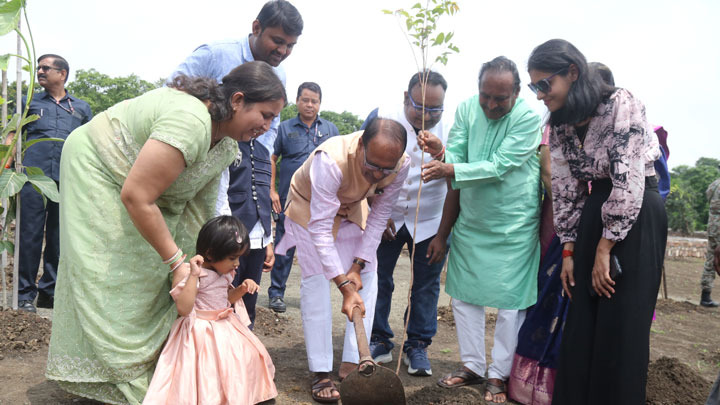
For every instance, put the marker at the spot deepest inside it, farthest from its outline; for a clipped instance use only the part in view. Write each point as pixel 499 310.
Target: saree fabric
pixel 113 310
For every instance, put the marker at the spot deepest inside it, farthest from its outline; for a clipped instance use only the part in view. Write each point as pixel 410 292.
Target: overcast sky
pixel 664 51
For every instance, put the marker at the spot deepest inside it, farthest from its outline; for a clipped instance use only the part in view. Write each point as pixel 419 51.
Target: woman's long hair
pixel 585 93
pixel 256 80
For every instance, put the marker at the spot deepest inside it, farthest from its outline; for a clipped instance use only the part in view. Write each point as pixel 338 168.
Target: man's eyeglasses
pixel 543 85
pixel 45 68
pixel 370 166
pixel 434 112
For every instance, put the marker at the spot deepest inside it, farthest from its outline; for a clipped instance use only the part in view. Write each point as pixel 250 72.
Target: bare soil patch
pixel 683 347
pixel 435 395
pixel 22 332
pixel 269 323
pixel 671 382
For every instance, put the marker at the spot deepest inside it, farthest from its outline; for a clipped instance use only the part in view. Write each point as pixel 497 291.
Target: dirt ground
pixel 684 347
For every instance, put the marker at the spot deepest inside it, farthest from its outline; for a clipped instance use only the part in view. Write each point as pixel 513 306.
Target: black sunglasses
pixel 543 85
pixel 45 68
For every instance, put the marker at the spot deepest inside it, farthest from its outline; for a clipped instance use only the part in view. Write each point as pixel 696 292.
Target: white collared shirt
pixel 433 192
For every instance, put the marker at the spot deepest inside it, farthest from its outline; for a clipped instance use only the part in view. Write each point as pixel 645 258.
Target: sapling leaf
pixel 45 186
pixel 26 68
pixel 4 60
pixel 9 16
pixel 36 188
pixel 11 182
pixel 10 127
pixel 30 118
pixel 34 171
pixel 34 141
pixel 7 245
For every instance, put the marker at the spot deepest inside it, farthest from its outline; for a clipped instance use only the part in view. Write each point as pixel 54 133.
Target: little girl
pixel 211 357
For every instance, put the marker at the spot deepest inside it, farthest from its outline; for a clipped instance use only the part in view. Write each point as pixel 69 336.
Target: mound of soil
pixel 671 382
pixel 434 395
pixel 22 332
pixel 268 323
pixel 668 306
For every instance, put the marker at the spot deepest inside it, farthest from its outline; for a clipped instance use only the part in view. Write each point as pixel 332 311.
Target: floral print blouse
pixel 619 145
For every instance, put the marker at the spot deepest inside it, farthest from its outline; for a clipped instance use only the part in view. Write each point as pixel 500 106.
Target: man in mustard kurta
pixel 493 211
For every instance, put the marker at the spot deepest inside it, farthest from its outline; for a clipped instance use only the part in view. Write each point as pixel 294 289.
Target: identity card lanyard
pixel 315 138
pixel 70 110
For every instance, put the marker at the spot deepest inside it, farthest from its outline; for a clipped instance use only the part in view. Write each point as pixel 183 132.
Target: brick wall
pixel 685 247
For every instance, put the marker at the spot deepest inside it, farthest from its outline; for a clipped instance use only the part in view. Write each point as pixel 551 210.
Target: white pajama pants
pixel 470 324
pixel 317 315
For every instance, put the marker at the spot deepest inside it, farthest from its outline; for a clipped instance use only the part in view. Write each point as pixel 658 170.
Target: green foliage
pixel 12 94
pixel 687 205
pixel 101 91
pixel 421 25
pixel 290 111
pixel 681 216
pixel 346 122
pixel 9 16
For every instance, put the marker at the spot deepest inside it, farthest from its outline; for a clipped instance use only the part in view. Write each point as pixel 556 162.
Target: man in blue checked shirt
pixel 297 137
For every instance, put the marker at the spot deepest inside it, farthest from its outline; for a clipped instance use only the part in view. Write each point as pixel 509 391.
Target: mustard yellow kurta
pixel 495 251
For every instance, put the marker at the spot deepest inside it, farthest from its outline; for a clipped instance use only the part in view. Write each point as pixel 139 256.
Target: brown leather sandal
pixel 468 378
pixel 494 389
pixel 318 385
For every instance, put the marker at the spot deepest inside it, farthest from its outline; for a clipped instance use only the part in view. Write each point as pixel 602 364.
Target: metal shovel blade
pixel 370 384
pixel 381 387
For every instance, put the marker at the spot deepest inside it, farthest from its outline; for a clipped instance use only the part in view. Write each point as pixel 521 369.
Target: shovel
pixel 370 384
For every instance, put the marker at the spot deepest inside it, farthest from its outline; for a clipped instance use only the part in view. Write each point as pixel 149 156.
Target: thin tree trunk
pixel 3 256
pixel 18 167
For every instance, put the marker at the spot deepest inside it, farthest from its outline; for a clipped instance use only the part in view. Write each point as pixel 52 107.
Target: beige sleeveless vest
pixel 353 191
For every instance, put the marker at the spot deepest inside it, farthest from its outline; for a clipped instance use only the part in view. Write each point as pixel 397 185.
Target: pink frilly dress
pixel 211 357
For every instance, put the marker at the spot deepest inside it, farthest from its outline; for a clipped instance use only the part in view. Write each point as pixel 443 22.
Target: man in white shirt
pixel 401 231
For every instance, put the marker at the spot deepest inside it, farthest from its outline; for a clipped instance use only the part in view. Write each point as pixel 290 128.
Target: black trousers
pixel 37 220
pixel 606 342
pixel 250 267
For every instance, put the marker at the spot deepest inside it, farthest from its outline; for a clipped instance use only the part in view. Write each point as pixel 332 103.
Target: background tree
pixel 99 90
pixel 102 91
pixel 687 205
pixel 346 122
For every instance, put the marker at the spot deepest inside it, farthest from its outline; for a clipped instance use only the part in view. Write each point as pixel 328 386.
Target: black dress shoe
pixel 26 306
pixel 45 301
pixel 277 304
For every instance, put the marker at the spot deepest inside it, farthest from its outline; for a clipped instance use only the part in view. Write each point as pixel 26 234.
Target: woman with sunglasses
pixel 599 134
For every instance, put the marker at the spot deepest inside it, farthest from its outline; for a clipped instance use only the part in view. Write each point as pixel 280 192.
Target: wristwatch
pixel 359 262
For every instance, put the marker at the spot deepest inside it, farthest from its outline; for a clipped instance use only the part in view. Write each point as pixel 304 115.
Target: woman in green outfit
pixel 137 183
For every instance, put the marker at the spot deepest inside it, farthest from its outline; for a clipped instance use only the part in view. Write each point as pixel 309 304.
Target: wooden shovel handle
pixel 362 342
